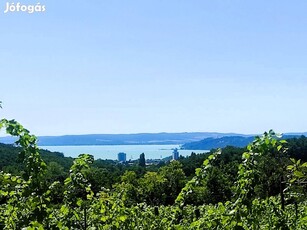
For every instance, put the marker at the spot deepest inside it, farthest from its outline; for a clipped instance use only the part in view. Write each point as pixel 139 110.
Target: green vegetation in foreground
pixel 259 187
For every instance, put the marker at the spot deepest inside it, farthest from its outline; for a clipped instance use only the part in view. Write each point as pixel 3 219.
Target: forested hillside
pixel 221 142
pixel 210 143
pixel 262 186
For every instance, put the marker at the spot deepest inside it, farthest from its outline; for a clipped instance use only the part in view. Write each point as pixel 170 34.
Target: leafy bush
pixel 28 201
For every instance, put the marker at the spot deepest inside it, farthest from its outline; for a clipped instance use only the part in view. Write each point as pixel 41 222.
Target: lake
pixel 110 151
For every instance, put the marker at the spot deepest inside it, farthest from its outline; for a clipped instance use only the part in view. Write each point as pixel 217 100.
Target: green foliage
pixel 151 186
pixel 25 197
pixel 35 167
pixel 175 180
pixel 250 173
pixel 296 181
pixel 185 193
pixel 29 201
pixel 297 148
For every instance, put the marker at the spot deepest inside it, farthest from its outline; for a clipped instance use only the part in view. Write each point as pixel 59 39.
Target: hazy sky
pixel 110 66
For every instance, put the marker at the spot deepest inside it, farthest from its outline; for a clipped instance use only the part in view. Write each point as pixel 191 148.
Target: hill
pixel 206 140
pixel 123 139
pixel 211 143
pixel 221 142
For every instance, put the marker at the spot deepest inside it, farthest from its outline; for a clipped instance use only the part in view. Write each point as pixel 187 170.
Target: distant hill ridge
pixel 124 139
pixel 221 142
pixel 212 139
pixel 211 143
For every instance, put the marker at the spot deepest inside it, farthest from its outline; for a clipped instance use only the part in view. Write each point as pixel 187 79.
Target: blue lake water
pixel 110 151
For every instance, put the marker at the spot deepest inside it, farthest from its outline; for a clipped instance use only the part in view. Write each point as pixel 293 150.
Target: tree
pixel 55 172
pixel 152 188
pixel 142 160
pixel 175 179
pixel 128 188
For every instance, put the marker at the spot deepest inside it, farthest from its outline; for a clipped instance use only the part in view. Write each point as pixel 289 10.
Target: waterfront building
pixel 175 154
pixel 121 157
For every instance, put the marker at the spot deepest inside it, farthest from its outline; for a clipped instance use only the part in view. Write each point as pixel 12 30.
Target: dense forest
pixel 260 186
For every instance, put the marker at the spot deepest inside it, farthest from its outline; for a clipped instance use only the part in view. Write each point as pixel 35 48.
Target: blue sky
pixel 113 66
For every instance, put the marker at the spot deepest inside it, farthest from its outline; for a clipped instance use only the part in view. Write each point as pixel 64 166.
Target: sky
pixel 116 66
